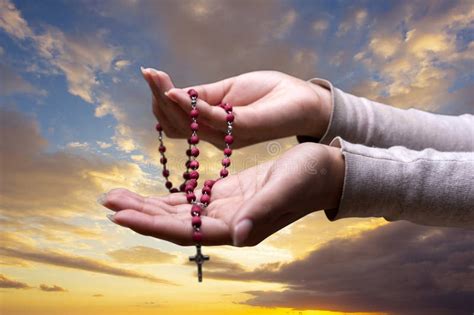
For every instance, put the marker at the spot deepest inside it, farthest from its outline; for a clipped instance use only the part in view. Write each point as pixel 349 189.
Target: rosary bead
pixel 226 162
pixel 209 183
pixel 193 140
pixel 186 175
pixel 194 126
pixel 196 208
pixel 188 152
pixel 192 93
pixel 228 151
pixel 224 172
pixel 191 197
pixel 229 139
pixel 228 107
pixel 197 237
pixel 182 187
pixel 196 221
pixel 169 184
pixel 194 174
pixel 187 163
pixel 162 149
pixel 166 173
pixel 194 152
pixel 206 190
pixel 163 160
pixel 194 165
pixel 189 188
pixel 222 105
pixel 174 190
pixel 158 127
pixel 205 199
pixel 229 117
pixel 194 113
pixel 192 182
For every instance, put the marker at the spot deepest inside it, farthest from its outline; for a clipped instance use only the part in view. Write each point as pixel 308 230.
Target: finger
pixel 214 116
pixel 119 199
pixel 255 215
pixel 160 104
pixel 213 93
pixel 173 229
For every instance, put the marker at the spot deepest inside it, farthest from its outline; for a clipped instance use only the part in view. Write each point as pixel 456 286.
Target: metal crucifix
pixel 199 259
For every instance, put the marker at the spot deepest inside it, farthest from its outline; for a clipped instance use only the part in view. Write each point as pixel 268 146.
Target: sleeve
pixel 426 187
pixel 359 120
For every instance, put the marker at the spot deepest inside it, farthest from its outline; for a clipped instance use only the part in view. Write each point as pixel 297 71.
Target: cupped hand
pixel 267 105
pixel 245 208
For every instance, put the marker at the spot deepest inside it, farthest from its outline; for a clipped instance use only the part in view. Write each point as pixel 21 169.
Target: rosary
pixel 191 175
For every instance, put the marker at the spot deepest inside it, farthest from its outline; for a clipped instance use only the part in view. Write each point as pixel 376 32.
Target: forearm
pixel 425 187
pixel 359 120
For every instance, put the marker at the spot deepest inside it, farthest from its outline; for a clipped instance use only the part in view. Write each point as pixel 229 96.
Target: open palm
pixel 267 105
pixel 269 196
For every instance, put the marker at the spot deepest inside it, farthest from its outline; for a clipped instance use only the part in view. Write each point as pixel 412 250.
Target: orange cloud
pixel 12 284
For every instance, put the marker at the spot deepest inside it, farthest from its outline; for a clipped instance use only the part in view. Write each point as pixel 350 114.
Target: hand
pixel 267 105
pixel 245 208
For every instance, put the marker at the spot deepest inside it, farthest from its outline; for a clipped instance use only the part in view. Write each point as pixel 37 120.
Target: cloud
pixel 121 64
pixel 7 283
pixel 141 255
pixel 399 268
pixel 320 26
pixel 78 145
pixel 62 259
pixel 13 83
pixel 52 288
pixel 103 145
pixel 98 295
pixel 12 22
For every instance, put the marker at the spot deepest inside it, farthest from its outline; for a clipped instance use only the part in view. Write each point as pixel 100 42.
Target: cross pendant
pixel 199 259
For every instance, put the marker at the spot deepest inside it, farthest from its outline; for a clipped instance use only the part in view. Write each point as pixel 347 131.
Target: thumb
pixel 250 221
pixel 214 116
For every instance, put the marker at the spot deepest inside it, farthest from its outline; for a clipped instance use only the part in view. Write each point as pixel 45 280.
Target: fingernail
pixel 242 231
pixel 144 72
pixel 154 77
pixel 111 217
pixel 101 199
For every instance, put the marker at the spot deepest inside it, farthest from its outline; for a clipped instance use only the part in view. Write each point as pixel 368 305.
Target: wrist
pixel 321 105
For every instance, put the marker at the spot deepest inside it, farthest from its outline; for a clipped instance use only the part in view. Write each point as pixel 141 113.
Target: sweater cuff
pixel 363 178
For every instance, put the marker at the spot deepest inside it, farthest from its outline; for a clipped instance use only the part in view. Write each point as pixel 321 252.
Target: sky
pixel 76 121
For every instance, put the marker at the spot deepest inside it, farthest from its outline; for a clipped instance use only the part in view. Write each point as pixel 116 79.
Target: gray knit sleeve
pixel 427 187
pixel 359 120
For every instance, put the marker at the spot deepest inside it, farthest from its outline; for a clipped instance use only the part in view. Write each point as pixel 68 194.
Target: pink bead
pixel 169 184
pixel 162 149
pixel 194 174
pixel 225 162
pixel 192 93
pixel 197 237
pixel 205 198
pixel 188 152
pixel 194 152
pixel 194 113
pixel 190 197
pixel 228 107
pixel 174 190
pixel 224 172
pixel 228 151
pixel 163 160
pixel 222 105
pixel 193 140
pixel 196 208
pixel 158 127
pixel 189 188
pixel 194 165
pixel 229 139
pixel 194 126
pixel 166 173
pixel 196 221
pixel 186 175
pixel 209 183
pixel 206 190
pixel 192 182
pixel 230 117
pixel 182 187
